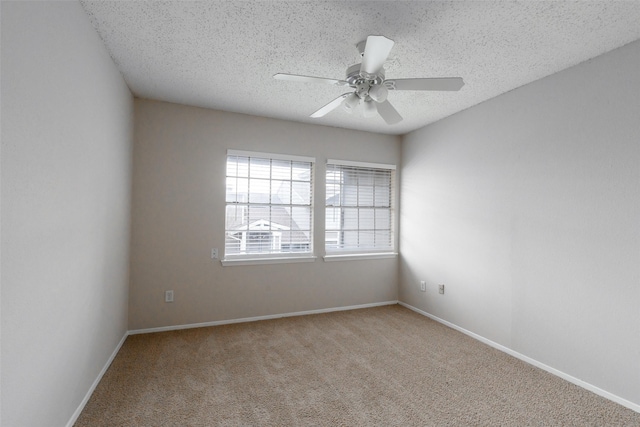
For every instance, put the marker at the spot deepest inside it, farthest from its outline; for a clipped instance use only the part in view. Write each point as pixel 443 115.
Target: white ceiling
pixel 223 54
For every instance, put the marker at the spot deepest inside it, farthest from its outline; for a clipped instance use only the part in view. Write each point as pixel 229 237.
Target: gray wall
pixel 67 126
pixel 527 207
pixel 178 216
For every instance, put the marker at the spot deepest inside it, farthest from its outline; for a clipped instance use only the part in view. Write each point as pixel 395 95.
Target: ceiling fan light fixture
pixel 351 102
pixel 379 93
pixel 369 109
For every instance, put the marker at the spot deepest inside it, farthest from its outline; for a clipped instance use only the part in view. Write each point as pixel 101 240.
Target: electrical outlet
pixel 441 289
pixel 423 286
pixel 214 253
pixel 168 296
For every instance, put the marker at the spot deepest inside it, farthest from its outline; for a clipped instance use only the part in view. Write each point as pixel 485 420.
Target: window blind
pixel 268 205
pixel 359 207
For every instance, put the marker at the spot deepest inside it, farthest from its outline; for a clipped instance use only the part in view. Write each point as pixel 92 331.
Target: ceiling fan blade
pixel 330 106
pixel 309 79
pixel 438 83
pixel 388 113
pixel 376 52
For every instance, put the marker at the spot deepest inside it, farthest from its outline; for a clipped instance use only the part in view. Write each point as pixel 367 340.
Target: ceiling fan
pixel 371 87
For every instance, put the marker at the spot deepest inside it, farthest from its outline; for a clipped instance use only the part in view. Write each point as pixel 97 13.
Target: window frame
pixel 270 257
pixel 333 254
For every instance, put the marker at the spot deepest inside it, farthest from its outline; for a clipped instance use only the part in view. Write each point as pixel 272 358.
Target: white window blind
pixel 359 207
pixel 268 205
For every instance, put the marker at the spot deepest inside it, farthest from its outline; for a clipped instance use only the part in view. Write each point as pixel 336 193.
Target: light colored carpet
pixel 385 366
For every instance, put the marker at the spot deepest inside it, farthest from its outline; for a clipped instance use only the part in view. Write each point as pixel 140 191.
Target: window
pixel 359 207
pixel 268 206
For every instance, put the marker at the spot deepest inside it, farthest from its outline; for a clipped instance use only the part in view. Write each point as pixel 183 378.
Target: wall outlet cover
pixel 168 296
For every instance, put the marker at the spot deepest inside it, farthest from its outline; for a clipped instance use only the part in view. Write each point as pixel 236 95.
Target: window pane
pixel 331 237
pixel 333 197
pixel 232 243
pixel 301 171
pixel 301 218
pixel 366 240
pixel 349 196
pixel 232 166
pixel 235 217
pixel 332 190
pixel 281 192
pixel 366 219
pixel 280 169
pixel 383 219
pixel 349 176
pixel 365 177
pixel 349 239
pixel 280 218
pixel 383 239
pixel 258 217
pixel 259 241
pixel 349 219
pixel 333 219
pixel 238 166
pixel 284 240
pixel 382 196
pixel 242 167
pixel 231 192
pixel 383 179
pixel 242 189
pixel 301 193
pixel 259 191
pixel 365 196
pixel 259 168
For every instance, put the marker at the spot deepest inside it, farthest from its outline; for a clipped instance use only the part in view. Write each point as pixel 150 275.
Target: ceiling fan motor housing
pixel 360 83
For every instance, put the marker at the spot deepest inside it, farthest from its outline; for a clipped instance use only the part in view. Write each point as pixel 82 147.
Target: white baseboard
pixel 257 318
pixel 78 411
pixel 600 392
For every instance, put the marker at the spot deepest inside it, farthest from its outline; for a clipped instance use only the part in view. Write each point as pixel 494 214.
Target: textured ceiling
pixel 223 54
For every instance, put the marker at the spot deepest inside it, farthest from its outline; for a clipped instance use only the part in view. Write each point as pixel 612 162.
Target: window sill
pixel 258 261
pixel 353 257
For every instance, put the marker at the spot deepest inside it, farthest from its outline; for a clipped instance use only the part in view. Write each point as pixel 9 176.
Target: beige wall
pixel 527 208
pixel 67 127
pixel 178 216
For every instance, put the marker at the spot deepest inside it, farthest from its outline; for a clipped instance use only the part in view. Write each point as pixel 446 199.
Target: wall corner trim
pixel 590 387
pixel 87 396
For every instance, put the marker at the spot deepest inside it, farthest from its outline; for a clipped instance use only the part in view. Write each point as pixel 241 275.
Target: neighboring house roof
pixel 333 200
pixel 276 216
pixel 265 213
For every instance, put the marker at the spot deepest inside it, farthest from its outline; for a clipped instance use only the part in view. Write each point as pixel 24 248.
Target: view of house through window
pixel 359 207
pixel 268 204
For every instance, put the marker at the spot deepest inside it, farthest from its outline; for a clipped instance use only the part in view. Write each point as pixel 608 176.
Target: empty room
pixel 284 213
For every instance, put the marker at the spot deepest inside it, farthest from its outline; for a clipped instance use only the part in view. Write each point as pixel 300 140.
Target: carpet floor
pixel 383 366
